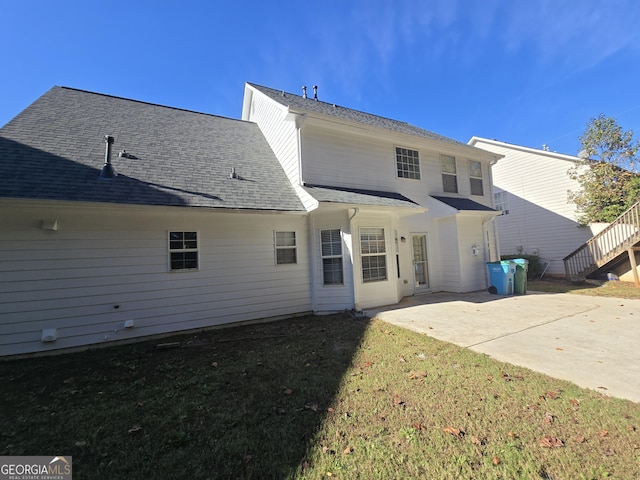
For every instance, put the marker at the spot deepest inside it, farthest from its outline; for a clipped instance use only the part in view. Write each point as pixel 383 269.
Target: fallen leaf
pixel 496 460
pixel 518 376
pixel 550 442
pixel 419 426
pixel 367 364
pixel 506 377
pixel 135 429
pixel 475 440
pixel 414 375
pixel 548 418
pixel 287 391
pixel 609 452
pixel 311 406
pixel 397 400
pixel 579 439
pixel 330 410
pixel 558 348
pixel 402 359
pixel 81 443
pixel 553 394
pixel 631 428
pixel 456 432
pixel 512 434
pixel 214 364
pixel 305 465
pixel 603 388
pixel 574 402
pixel 347 450
pixel 603 433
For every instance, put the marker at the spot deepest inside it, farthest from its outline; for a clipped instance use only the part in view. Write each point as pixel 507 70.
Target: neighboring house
pixel 302 206
pixel 531 189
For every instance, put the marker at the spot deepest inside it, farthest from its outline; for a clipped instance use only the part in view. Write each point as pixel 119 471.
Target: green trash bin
pixel 520 277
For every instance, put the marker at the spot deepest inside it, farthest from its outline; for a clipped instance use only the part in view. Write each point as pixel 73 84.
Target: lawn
pixel 607 289
pixel 309 398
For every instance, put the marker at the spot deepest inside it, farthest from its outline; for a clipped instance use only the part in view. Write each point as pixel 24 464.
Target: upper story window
pixel 449 174
pixel 183 251
pixel 408 163
pixel 475 177
pixel 501 202
pixel 286 249
pixel 331 241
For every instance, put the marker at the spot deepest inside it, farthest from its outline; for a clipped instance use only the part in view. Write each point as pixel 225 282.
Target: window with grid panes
pixel 183 251
pixel 408 163
pixel 373 254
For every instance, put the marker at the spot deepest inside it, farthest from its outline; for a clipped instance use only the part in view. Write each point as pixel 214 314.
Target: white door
pixel 420 262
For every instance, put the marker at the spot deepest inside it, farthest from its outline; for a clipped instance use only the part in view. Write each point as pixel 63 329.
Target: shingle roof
pixel 463 204
pixel 358 196
pixel 55 149
pixel 298 103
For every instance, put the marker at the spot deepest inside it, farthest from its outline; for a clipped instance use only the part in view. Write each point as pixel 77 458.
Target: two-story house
pixel 123 219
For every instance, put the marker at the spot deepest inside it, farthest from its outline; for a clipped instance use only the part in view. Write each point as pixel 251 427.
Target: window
pixel 374 259
pixel 331 242
pixel 286 248
pixel 449 174
pixel 408 163
pixel 475 177
pixel 183 251
pixel 501 202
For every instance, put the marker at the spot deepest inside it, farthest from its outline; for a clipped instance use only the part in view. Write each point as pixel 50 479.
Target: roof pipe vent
pixel 233 173
pixel 315 92
pixel 107 172
pixel 304 92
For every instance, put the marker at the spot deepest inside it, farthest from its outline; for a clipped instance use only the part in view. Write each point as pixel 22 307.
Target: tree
pixel 607 171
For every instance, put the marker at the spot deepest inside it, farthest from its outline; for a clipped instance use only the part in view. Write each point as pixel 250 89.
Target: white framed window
pixel 475 177
pixel 501 201
pixel 449 174
pixel 373 254
pixel 286 249
pixel 407 163
pixel 331 250
pixel 183 251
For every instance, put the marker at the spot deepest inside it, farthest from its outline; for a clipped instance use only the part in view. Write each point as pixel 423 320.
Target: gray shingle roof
pixel 55 149
pixel 463 204
pixel 298 103
pixel 356 196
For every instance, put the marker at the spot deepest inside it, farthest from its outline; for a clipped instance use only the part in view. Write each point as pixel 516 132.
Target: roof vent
pixel 233 173
pixel 304 92
pixel 315 92
pixel 107 172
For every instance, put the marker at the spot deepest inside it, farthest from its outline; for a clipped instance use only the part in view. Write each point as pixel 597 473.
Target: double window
pixel 183 251
pixel 331 249
pixel 449 174
pixel 286 249
pixel 475 177
pixel 407 163
pixel 373 254
pixel 501 202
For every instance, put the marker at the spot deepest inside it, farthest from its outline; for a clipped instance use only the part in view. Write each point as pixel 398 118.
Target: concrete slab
pixel 593 342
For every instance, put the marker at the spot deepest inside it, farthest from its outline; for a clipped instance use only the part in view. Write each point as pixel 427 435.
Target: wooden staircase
pixel 607 249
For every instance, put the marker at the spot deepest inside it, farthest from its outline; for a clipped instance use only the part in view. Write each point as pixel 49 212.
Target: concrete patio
pixel 593 342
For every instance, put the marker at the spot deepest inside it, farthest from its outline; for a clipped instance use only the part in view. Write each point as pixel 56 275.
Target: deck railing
pixel 618 237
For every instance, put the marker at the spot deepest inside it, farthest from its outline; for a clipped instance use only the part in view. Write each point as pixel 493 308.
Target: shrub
pixel 535 266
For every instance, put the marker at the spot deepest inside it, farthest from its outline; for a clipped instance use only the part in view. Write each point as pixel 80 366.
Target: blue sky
pixel 529 72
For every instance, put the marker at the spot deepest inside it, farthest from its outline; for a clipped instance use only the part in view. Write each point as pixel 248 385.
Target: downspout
pixel 492 219
pixel 356 210
pixel 299 122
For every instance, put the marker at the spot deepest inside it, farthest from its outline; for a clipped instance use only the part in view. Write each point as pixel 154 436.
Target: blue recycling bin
pixel 501 277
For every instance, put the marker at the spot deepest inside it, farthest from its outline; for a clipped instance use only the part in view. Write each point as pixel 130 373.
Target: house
pixel 531 189
pixel 123 219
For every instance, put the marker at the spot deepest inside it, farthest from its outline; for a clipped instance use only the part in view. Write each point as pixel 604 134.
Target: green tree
pixel 607 171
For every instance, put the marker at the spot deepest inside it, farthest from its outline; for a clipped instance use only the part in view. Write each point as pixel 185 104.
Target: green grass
pixel 607 289
pixel 313 397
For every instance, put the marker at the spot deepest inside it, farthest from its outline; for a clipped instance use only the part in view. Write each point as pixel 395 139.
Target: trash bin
pixel 501 275
pixel 520 277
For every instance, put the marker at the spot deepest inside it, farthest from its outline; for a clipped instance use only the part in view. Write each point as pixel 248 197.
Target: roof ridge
pixel 144 102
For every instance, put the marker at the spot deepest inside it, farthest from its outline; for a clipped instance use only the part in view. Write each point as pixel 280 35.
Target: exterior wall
pixel 540 217
pixel 104 266
pixel 354 158
pixel 331 298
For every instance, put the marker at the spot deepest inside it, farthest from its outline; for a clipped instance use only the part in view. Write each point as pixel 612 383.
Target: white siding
pixel 103 267
pixel 540 216
pixel 281 134
pixel 346 157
